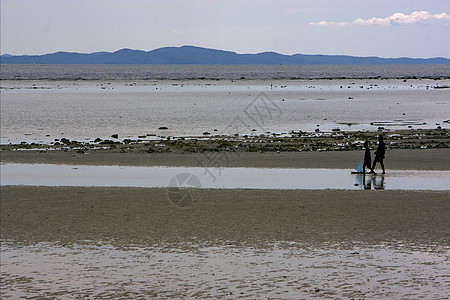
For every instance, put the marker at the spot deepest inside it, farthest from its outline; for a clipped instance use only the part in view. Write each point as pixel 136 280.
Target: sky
pixel 384 28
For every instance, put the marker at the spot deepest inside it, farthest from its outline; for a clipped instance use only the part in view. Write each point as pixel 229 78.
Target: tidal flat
pixel 73 242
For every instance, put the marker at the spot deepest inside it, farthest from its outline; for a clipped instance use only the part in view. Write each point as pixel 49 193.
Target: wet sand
pixel 129 242
pixel 401 159
pixel 146 216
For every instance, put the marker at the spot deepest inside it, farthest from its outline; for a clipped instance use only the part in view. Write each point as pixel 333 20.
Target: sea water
pixel 180 72
pixel 86 102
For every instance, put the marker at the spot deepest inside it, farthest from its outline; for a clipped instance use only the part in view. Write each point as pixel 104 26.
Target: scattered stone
pixel 335 129
pixel 97 140
pixel 163 128
pixel 206 133
pixel 65 141
pixel 115 136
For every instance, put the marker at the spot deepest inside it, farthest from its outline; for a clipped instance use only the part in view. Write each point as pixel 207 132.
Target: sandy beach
pixel 418 159
pixel 26 211
pixel 230 233
pixel 146 216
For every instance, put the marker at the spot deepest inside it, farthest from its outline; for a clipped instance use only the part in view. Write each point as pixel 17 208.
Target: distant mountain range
pixel 198 55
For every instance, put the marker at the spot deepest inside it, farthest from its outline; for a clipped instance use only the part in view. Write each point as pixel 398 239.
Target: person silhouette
pixel 379 154
pixel 367 159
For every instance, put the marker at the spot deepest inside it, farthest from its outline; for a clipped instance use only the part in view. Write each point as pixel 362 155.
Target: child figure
pixel 367 159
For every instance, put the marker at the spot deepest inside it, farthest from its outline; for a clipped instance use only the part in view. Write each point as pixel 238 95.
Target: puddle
pixel 215 178
pixel 99 270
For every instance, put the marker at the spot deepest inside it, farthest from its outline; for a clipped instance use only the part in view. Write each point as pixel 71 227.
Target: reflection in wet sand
pixel 368 180
pixel 280 270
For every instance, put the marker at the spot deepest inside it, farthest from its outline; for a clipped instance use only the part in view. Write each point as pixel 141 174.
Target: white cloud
pixel 325 23
pixel 402 19
pixel 417 17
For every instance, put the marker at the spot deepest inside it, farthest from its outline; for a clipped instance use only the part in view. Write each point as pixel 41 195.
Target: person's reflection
pixel 363 181
pixel 367 183
pixel 378 183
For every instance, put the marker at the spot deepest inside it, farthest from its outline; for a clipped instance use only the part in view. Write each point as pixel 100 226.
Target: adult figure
pixel 379 154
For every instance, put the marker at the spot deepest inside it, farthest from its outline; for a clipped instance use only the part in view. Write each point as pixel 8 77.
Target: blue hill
pixel 198 55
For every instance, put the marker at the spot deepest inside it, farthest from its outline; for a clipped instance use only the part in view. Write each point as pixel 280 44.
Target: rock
pixel 97 140
pixel 65 141
pixel 335 129
pixel 350 98
pixel 115 136
pixel 163 128
pixel 206 133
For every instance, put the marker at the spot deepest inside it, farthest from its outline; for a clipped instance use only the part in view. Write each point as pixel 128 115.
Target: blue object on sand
pixel 359 167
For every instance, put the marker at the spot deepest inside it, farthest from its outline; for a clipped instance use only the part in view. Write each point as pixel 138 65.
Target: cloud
pixel 325 23
pixel 417 17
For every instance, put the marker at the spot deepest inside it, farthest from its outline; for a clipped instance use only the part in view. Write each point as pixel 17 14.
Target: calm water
pixel 146 72
pixel 48 102
pixel 223 178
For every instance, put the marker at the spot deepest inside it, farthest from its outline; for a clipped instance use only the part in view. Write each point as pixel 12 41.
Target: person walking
pixel 379 154
pixel 367 159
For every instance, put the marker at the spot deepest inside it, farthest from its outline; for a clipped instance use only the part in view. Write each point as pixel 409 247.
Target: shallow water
pixel 43 111
pixel 179 72
pixel 219 178
pixel 279 270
